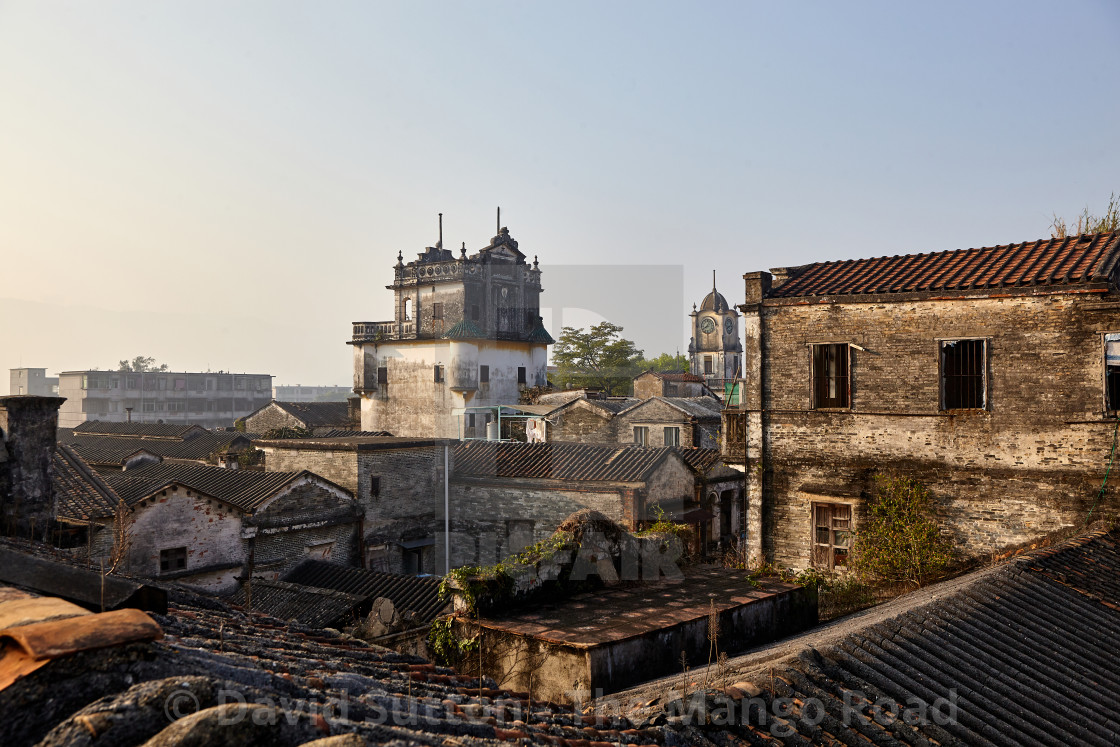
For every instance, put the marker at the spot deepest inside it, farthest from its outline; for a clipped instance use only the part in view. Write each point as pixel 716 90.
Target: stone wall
pixel 309 519
pixel 28 433
pixel 655 415
pixel 481 512
pixel 339 466
pixel 209 529
pixel 269 418
pixel 409 497
pixel 582 423
pixel 1031 462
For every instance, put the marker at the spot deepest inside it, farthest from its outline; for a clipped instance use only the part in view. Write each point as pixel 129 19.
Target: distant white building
pixel 32 381
pixel 301 393
pixel 466 337
pixel 210 399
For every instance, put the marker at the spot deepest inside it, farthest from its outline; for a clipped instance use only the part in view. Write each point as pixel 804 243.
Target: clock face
pixel 707 325
pixel 728 325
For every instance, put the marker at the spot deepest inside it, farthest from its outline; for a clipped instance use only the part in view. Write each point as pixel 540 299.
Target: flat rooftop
pixel 595 618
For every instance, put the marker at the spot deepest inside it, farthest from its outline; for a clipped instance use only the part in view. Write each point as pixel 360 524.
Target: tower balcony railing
pixel 374 331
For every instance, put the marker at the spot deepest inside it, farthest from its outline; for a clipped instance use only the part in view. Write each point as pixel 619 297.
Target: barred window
pixel 963 379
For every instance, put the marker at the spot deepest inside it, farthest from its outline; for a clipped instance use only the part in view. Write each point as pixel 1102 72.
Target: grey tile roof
pixel 407 593
pixel 700 460
pixel 211 650
pixel 556 461
pixel 1027 652
pixel 107 450
pixel 152 430
pixel 80 493
pixel 243 489
pixel 114 450
pixel 306 605
pixel 614 405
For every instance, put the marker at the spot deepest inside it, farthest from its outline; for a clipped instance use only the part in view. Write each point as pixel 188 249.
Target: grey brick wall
pixel 1030 463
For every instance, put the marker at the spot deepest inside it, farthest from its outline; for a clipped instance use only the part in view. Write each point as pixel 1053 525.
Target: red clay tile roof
pixel 1048 262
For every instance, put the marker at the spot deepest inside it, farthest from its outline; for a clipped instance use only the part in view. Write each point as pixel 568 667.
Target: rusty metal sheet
pixel 50 640
pixel 36 609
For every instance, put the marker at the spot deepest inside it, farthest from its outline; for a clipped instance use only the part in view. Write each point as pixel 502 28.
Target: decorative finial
pixel 464 249
pixel 713 281
pixel 400 257
pixel 534 261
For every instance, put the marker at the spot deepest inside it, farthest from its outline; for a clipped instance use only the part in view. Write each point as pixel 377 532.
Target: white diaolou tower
pixel 466 337
pixel 715 351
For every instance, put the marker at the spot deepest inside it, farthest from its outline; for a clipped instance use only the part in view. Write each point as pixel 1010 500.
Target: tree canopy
pixel 141 363
pixel 596 357
pixel 1089 223
pixel 665 363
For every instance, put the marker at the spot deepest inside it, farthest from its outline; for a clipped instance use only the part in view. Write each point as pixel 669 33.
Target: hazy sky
pixel 226 185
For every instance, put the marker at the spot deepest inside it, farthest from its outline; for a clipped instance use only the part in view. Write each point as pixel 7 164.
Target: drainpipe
pixel 446 515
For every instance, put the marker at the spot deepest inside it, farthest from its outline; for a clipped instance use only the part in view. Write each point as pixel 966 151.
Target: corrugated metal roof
pixel 345 433
pixel 1048 262
pixel 556 461
pixel 407 593
pixel 244 489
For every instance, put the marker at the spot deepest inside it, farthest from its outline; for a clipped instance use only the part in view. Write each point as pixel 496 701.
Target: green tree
pixel 597 357
pixel 141 363
pixel 665 363
pixel 1089 223
pixel 900 539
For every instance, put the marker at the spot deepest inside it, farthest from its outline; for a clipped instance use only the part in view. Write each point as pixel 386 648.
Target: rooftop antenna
pixel 499 221
pixel 440 244
pixel 713 281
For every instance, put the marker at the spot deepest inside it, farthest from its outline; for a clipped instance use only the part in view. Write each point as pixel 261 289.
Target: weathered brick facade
pixel 306 518
pixel 397 482
pixel 1028 460
pixel 696 421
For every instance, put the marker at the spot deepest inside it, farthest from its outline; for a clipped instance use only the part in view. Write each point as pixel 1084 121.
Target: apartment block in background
pixel 210 399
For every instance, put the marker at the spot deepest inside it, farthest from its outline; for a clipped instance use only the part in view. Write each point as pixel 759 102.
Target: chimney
pixel 128 411
pixel 28 434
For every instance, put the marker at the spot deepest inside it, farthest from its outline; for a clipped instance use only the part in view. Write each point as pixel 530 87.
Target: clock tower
pixel 715 351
